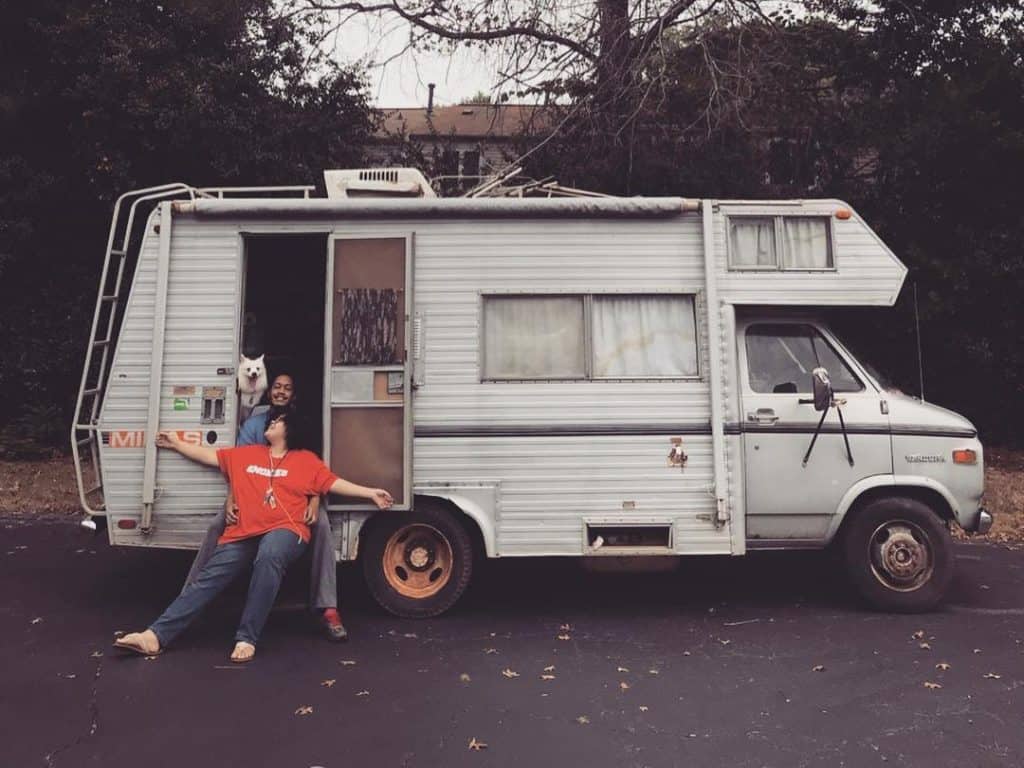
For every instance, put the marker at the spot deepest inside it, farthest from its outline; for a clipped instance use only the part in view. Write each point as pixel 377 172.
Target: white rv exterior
pixel 580 462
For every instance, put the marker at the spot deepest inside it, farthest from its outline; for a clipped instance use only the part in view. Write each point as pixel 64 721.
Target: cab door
pixel 368 418
pixel 788 498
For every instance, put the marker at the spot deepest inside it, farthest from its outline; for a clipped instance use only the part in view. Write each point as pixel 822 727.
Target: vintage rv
pixel 585 375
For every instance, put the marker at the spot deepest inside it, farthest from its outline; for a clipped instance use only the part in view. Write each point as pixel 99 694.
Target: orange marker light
pixel 126 525
pixel 965 456
pixel 843 214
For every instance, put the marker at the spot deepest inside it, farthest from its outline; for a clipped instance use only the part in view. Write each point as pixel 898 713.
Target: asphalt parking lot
pixel 765 660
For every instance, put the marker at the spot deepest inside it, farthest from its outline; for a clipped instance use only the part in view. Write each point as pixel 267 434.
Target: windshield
pixel 886 383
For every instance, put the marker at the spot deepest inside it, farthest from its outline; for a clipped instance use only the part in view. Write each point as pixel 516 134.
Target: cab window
pixel 781 357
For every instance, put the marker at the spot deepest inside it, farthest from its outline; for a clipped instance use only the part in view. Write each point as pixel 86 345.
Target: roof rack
pixel 498 186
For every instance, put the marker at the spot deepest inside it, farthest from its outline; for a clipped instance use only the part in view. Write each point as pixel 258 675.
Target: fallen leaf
pixel 943 666
pixel 69 676
pixel 991 676
pixel 36 620
pixel 652 671
pixel 686 653
pixel 464 678
pixel 564 637
pixel 303 711
pixel 977 650
pixel 347 662
pixel 118 632
pixel 363 693
pixel 475 745
pixel 918 635
pixel 643 708
pixel 932 686
pixel 565 627
pixel 924 646
pixel 621 669
pixel 550 668
pixel 490 650
pixel 509 673
pixel 818 668
pixel 623 686
pixel 150 658
pixel 725 642
pixel 328 683
pixel 547 677
pixel 582 719
pixel 96 655
pixel 410 635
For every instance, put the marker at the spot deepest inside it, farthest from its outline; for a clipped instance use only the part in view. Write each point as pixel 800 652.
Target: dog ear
pixel 259 360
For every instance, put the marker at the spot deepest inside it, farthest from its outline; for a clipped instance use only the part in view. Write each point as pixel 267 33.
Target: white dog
pixel 252 383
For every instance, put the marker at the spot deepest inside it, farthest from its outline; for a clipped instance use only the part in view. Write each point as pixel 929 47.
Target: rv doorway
pixel 283 315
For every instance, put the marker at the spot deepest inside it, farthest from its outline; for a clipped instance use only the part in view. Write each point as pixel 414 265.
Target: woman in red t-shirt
pixel 270 485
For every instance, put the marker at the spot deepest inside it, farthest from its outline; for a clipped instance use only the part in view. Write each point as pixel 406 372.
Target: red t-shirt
pixel 268 501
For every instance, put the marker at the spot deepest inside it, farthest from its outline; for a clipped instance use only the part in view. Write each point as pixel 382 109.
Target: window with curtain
pixel 533 337
pixel 644 336
pixel 780 242
pixel 752 242
pixel 627 336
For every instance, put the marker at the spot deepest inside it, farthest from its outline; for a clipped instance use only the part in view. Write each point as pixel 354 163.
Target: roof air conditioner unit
pixel 377 182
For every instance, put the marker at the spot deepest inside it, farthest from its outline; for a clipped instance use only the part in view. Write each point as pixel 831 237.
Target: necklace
pixel 268 498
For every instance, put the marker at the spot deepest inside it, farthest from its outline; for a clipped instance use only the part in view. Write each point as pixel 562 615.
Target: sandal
pixel 244 646
pixel 132 643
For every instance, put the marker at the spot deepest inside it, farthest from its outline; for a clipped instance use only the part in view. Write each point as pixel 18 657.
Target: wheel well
pixel 930 498
pixel 468 523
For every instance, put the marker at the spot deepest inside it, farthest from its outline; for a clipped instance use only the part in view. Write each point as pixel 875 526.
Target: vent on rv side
pixel 377 182
pixel 615 539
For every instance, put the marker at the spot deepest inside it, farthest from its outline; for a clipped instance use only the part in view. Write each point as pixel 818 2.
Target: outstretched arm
pixel 199 453
pixel 378 496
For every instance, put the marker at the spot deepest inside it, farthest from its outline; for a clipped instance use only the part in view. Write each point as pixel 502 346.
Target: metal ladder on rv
pixel 85 436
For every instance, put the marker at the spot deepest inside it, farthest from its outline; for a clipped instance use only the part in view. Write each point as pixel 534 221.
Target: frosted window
pixel 752 242
pixel 533 337
pixel 806 243
pixel 638 336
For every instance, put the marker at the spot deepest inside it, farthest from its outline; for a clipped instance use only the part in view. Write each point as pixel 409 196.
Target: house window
pixel 780 242
pixel 589 337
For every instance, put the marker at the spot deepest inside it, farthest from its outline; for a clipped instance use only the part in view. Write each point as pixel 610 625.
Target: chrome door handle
pixel 763 416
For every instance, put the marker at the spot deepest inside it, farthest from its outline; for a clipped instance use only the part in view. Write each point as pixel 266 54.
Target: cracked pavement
pixel 765 660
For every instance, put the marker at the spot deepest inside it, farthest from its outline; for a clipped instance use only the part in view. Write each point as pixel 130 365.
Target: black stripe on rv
pixel 628 430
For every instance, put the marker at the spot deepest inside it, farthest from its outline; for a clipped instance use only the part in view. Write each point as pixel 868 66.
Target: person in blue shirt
pixel 323 596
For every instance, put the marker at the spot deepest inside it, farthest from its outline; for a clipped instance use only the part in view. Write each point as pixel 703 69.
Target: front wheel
pixel 899 555
pixel 417 564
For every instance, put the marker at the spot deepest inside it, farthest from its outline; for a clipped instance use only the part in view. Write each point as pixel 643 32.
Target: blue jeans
pixel 269 555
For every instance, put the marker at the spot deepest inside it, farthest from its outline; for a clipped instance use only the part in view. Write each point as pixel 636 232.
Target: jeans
pixel 269 555
pixel 323 581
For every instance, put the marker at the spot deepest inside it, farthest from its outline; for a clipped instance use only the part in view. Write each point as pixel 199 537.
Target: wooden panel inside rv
pixel 367 447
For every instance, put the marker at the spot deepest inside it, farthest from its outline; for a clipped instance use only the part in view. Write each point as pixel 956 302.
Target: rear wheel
pixel 899 555
pixel 417 564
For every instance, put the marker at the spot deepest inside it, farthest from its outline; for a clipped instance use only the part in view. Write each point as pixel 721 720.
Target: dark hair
pixel 296 428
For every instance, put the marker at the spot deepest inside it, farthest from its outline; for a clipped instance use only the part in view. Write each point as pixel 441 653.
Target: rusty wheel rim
pixel 901 555
pixel 417 561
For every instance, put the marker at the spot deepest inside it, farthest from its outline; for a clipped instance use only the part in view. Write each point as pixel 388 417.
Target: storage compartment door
pixel 368 421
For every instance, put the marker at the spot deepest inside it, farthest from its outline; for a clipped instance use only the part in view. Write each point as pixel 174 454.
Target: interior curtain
pixel 752 242
pixel 533 337
pixel 806 243
pixel 637 336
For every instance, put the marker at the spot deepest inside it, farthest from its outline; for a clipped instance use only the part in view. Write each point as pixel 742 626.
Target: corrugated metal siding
pixel 201 331
pixel 867 272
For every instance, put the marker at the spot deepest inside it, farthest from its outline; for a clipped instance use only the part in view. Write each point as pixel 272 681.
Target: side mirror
pixel 822 389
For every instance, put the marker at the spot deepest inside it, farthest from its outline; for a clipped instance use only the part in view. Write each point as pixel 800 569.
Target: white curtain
pixel 806 243
pixel 637 336
pixel 752 242
pixel 533 337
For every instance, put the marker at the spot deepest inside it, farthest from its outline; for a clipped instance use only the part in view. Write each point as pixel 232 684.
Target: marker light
pixel 126 525
pixel 965 456
pixel 843 214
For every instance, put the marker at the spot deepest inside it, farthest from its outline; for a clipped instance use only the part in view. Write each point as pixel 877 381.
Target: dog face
pixel 252 374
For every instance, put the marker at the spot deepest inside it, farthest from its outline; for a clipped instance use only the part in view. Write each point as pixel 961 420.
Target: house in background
pixel 459 144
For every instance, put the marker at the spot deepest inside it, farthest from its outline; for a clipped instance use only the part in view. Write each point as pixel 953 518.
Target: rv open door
pixel 368 413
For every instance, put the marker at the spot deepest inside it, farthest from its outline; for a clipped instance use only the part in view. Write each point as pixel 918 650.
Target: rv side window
pixel 533 337
pixel 781 242
pixel 780 359
pixel 589 337
pixel 644 337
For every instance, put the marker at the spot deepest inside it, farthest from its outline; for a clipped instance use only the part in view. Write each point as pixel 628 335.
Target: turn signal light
pixel 126 525
pixel 965 456
pixel 843 214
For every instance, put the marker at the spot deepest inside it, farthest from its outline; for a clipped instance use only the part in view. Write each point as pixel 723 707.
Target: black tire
pixel 899 555
pixel 425 541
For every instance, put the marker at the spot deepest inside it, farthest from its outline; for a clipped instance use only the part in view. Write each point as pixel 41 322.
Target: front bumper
pixel 982 523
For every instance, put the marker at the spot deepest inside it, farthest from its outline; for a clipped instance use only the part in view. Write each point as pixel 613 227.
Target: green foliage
pixel 102 97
